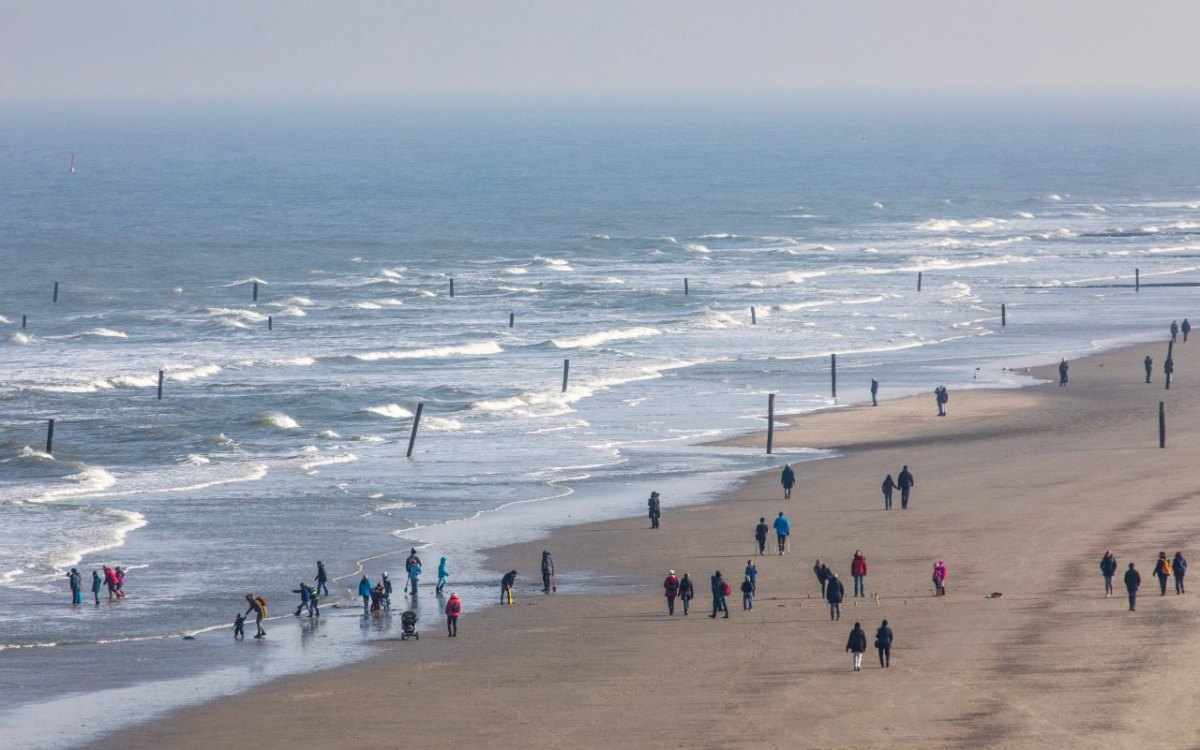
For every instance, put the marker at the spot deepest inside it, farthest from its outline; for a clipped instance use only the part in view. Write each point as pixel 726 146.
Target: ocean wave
pixel 309 464
pixel 516 271
pixel 243 282
pixel 328 435
pixel 797 277
pixel 4 319
pixel 518 289
pixel 20 338
pixel 1054 198
pixel 555 264
pixel 276 419
pixel 233 313
pixel 300 301
pixel 368 306
pixel 1023 214
pixel 441 424
pixel 477 349
pixel 86 481
pixel 952 225
pixel 392 411
pixel 695 247
pixel 877 205
pixel 595 339
pixel 106 333
pixel 195 459
pixel 717 236
pixel 553 403
pixel 291 311
pixel 393 273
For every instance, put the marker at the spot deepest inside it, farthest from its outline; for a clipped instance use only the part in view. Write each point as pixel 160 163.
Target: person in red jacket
pixel 671 588
pixel 858 569
pixel 453 609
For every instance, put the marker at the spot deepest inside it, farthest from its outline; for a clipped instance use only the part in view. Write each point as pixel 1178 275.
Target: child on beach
pixel 443 576
pixel 751 572
pixel 939 578
pixel 239 627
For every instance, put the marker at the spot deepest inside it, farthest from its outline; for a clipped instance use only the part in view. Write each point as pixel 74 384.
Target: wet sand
pixel 1020 492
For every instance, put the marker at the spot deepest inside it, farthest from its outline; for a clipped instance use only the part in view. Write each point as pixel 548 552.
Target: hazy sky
pixel 354 48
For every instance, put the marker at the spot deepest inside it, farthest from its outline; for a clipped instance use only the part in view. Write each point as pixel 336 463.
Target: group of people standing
pixel 113 580
pixel 1164 570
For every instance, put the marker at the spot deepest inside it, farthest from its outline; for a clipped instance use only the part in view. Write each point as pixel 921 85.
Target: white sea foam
pixel 87 481
pixel 300 301
pixel 309 464
pixel 291 312
pixel 369 439
pixel 797 277
pixel 1054 198
pixel 368 306
pixel 276 419
pixel 20 338
pixel 555 264
pixel 695 247
pixel 235 314
pixel 480 348
pixel 877 205
pixel 1023 215
pixel 393 411
pixel 244 282
pixel 441 424
pixel 328 435
pixel 595 339
pixel 106 333
pixel 516 271
pixel 717 236
pixel 4 319
pixel 518 289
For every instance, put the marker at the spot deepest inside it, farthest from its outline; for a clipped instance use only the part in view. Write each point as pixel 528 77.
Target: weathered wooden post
pixel 566 373
pixel 452 288
pixel 512 318
pixel 50 437
pixel 918 281
pixel 685 286
pixel 1137 279
pixel 770 421
pixel 1003 315
pixel 55 292
pixel 270 323
pixel 412 439
pixel 833 375
pixel 160 384
pixel 23 320
pixel 1162 426
pixel 753 317
pixel 254 294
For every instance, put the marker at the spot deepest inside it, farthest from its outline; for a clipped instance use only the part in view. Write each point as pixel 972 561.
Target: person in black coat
pixel 1133 579
pixel 857 644
pixel 1149 363
pixel 1108 566
pixel 760 535
pixel 821 571
pixel 788 480
pixel 1185 328
pixel 888 486
pixel 1179 564
pixel 654 508
pixel 686 591
pixel 720 603
pixel 1062 373
pixel 883 644
pixel 1174 330
pixel 905 482
pixel 835 592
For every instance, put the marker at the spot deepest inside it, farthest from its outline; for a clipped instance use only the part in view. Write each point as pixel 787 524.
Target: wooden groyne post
pixel 412 438
pixel 160 384
pixel 1003 315
pixel 512 318
pixel 451 287
pixel 1162 426
pixel 753 316
pixel 833 375
pixel 55 292
pixel 918 281
pixel 770 422
pixel 566 373
pixel 685 286
pixel 23 320
pixel 1137 279
pixel 254 294
pixel 270 323
pixel 50 437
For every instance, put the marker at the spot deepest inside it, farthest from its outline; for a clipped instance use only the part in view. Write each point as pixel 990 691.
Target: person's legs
pixel 857 660
pixel 1108 590
pixel 1162 584
pixel 859 588
pixel 832 610
pixel 545 582
pixel 258 624
pixel 725 606
pixel 823 584
pixel 762 546
pixel 716 606
pixel 670 605
pixel 1178 584
pixel 904 499
pixel 686 602
pixel 1132 600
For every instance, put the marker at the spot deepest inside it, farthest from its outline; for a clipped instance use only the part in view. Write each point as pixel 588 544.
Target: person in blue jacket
pixel 76 582
pixel 414 576
pixel 782 528
pixel 364 590
pixel 96 584
pixel 443 576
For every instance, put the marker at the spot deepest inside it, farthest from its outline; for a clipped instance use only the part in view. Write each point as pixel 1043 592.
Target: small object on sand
pixel 994 595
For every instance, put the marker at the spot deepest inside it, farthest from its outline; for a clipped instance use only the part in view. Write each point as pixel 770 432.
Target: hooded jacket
pixel 883 637
pixel 1133 579
pixel 671 586
pixel 686 589
pixel 1108 565
pixel 857 643
pixel 453 606
pixel 835 592
pixel 788 477
pixel 364 587
pixel 783 527
pixel 1179 565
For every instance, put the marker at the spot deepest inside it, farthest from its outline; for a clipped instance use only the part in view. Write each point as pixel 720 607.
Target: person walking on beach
pixel 547 572
pixel 905 482
pixel 110 582
pixel 835 592
pixel 322 579
pixel 858 571
pixel 788 480
pixel 747 594
pixel 408 564
pixel 1133 579
pixel 783 528
pixel 686 591
pixel 1185 328
pixel 258 605
pixel 96 584
pixel 364 590
pixel 821 571
pixel 506 587
pixel 671 590
pixel 239 626
pixel 453 610
pixel 888 486
pixel 1149 363
pixel 1162 569
pixel 1179 564
pixel 443 576
pixel 874 392
pixel 119 581
pixel 1062 372
pixel 939 578
pixel 883 644
pixel 1168 368
pixel 760 535
pixel 942 396
pixel 1174 330
pixel 654 505
pixel 76 583
pixel 857 644
pixel 1108 566
pixel 305 599
pixel 720 593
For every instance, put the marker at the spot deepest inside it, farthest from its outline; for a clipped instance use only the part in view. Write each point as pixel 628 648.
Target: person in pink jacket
pixel 858 569
pixel 939 578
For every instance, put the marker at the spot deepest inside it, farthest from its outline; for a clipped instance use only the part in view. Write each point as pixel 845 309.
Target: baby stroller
pixel 408 623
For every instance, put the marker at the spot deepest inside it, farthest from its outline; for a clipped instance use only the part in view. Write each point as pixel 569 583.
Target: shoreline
pixel 575 547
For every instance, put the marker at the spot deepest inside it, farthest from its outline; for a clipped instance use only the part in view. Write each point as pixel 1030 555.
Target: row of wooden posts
pixel 567 370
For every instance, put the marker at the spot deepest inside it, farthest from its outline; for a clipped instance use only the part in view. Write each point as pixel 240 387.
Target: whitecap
pixel 694 247
pixel 276 419
pixel 595 339
pixel 103 333
pixel 516 271
pixel 1023 215
pixel 393 411
pixel 328 435
pixel 465 350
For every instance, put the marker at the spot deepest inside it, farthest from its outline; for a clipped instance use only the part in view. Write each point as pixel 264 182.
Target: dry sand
pixel 1018 491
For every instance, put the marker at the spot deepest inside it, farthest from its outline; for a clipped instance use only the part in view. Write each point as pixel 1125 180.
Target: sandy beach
pixel 1019 491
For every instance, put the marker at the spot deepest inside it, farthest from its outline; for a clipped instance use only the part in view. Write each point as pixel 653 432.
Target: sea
pixel 687 257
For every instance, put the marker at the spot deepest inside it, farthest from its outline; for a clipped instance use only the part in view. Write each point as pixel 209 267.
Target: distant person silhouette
pixel 1149 363
pixel 1062 373
pixel 905 482
pixel 1133 579
pixel 874 392
pixel 1185 328
pixel 1174 330
pixel 788 480
pixel 888 486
